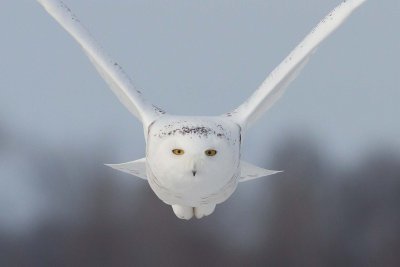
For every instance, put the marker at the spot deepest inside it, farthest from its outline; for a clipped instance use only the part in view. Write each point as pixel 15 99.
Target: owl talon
pixel 205 210
pixel 183 212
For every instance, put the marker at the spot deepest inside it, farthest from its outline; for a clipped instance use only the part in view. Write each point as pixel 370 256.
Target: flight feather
pixel 278 80
pixel 110 70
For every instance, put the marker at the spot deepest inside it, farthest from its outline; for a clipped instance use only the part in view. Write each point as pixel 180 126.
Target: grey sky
pixel 203 58
pixel 189 57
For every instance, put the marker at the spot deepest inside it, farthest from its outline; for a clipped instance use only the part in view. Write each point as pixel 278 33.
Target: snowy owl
pixel 193 163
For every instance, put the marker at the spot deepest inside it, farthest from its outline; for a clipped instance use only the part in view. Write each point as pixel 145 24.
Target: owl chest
pixel 191 197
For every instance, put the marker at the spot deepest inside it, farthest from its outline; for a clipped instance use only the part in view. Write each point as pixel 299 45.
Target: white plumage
pixel 193 163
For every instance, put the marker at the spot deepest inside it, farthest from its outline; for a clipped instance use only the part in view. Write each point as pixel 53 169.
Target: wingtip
pixel 110 165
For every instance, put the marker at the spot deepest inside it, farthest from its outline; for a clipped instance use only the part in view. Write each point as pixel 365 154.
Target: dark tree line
pixel 313 214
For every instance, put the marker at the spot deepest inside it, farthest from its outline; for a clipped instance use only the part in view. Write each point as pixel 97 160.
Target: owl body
pixel 193 178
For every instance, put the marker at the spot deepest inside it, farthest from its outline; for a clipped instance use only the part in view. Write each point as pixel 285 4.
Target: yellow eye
pixel 178 151
pixel 210 152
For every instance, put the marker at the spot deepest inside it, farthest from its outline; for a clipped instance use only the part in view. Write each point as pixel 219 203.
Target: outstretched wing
pixel 250 172
pixel 136 168
pixel 275 84
pixel 110 70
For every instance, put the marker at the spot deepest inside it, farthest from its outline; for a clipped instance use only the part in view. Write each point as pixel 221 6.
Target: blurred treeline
pixel 316 213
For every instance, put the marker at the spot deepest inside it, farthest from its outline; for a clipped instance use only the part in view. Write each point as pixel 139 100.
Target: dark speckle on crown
pixel 200 131
pixel 194 128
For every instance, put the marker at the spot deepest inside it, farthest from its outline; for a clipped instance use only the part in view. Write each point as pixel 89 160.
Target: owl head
pixel 200 152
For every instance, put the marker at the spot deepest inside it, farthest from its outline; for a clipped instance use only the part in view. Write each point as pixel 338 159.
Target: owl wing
pixel 275 84
pixel 109 69
pixel 136 168
pixel 250 172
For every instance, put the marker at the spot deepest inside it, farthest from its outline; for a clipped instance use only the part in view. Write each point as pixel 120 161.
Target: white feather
pixel 136 168
pixel 250 172
pixel 276 83
pixel 109 69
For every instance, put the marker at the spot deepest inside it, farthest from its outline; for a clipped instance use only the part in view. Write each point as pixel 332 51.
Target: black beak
pixel 194 173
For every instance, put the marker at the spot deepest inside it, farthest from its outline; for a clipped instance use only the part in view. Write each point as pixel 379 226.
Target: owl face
pixel 198 155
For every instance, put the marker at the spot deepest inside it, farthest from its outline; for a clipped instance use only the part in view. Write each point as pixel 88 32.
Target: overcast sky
pixel 201 58
pixel 189 57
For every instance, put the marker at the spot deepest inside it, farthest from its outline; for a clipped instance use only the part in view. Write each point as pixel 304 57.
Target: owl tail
pixel 136 168
pixel 250 172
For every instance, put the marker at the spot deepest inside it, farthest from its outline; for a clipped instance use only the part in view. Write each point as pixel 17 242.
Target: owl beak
pixel 194 168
